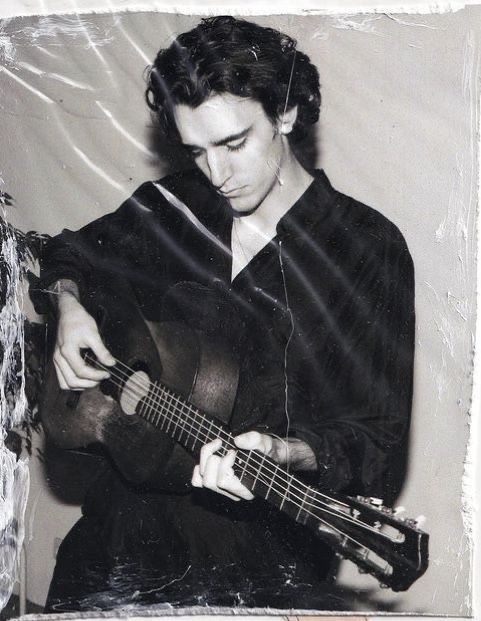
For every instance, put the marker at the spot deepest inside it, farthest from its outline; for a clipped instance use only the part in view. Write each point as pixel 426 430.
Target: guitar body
pixel 197 366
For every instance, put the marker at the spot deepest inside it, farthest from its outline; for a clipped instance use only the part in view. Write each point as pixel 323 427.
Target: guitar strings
pixel 262 461
pixel 253 456
pixel 220 432
pixel 228 439
pixel 255 473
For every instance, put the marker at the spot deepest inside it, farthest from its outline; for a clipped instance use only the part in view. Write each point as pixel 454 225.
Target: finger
pixel 254 441
pixel 61 379
pixel 104 356
pixel 227 480
pixel 73 382
pixel 196 477
pixel 228 483
pixel 225 470
pixel 206 452
pixel 229 460
pixel 71 354
pixel 198 481
pixel 233 487
pixel 210 472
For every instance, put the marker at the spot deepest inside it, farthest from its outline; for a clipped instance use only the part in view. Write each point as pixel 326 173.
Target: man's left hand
pixel 217 473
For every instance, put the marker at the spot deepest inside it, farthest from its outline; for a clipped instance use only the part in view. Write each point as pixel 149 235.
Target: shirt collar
pixel 314 205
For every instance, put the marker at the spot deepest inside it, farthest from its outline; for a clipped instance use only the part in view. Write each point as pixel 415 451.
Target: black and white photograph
pixel 238 312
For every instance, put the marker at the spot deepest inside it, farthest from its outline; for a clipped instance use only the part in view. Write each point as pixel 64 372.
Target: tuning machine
pixel 416 523
pixel 371 500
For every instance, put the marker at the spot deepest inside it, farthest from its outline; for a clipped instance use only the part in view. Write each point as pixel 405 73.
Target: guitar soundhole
pixel 135 388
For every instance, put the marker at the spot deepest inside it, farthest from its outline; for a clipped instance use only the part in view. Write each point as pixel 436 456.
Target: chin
pixel 244 208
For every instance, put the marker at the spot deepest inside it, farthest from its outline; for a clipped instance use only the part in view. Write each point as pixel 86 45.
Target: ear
pixel 287 121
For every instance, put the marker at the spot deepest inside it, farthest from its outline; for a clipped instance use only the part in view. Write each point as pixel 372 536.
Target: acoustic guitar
pixel 174 382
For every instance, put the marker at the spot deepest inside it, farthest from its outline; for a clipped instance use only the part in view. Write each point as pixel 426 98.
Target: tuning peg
pixel 420 520
pixel 376 502
pixel 399 510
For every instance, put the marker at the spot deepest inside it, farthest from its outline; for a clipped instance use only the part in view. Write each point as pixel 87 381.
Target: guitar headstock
pixel 392 549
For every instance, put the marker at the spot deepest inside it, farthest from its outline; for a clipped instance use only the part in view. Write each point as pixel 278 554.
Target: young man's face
pixel 235 145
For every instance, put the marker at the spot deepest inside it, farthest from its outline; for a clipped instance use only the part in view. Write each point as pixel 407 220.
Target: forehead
pixel 218 117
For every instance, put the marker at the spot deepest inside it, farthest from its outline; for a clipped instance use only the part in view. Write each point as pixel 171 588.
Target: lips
pixel 232 193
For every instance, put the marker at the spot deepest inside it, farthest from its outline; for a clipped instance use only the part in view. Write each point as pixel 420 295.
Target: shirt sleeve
pixel 108 243
pixel 356 371
pixel 130 245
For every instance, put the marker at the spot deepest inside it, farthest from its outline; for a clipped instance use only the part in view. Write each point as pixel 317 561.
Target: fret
pixel 168 413
pixel 196 436
pixel 197 421
pixel 193 415
pixel 258 471
pixel 175 421
pixel 159 418
pixel 163 409
pixel 286 492
pixel 301 506
pixel 182 429
pixel 147 409
pixel 271 481
pixel 246 456
pixel 156 404
pixel 209 431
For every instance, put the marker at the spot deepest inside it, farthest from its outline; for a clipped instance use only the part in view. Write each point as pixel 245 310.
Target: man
pixel 314 288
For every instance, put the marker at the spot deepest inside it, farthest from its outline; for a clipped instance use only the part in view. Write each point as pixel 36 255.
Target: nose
pixel 218 168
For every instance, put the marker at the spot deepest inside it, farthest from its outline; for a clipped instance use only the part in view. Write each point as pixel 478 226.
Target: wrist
pixel 64 293
pixel 279 450
pixel 67 300
pixel 294 452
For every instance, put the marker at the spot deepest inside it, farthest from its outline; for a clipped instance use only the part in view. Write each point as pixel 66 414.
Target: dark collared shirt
pixel 324 321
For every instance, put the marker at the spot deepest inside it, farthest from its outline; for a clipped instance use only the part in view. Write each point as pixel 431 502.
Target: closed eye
pixel 236 146
pixel 232 143
pixel 193 151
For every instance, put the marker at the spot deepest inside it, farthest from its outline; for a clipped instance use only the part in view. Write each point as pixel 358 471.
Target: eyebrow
pixel 224 141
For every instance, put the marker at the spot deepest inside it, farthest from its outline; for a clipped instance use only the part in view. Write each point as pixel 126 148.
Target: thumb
pixel 254 441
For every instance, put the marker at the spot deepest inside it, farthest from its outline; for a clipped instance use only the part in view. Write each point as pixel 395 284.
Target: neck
pixel 292 180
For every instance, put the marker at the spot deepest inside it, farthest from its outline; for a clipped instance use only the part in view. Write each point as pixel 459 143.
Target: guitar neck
pixel 192 428
pixel 180 420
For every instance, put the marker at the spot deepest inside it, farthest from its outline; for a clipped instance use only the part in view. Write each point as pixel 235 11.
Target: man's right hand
pixel 77 330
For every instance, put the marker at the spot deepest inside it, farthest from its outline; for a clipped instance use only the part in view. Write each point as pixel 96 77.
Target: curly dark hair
pixel 229 55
